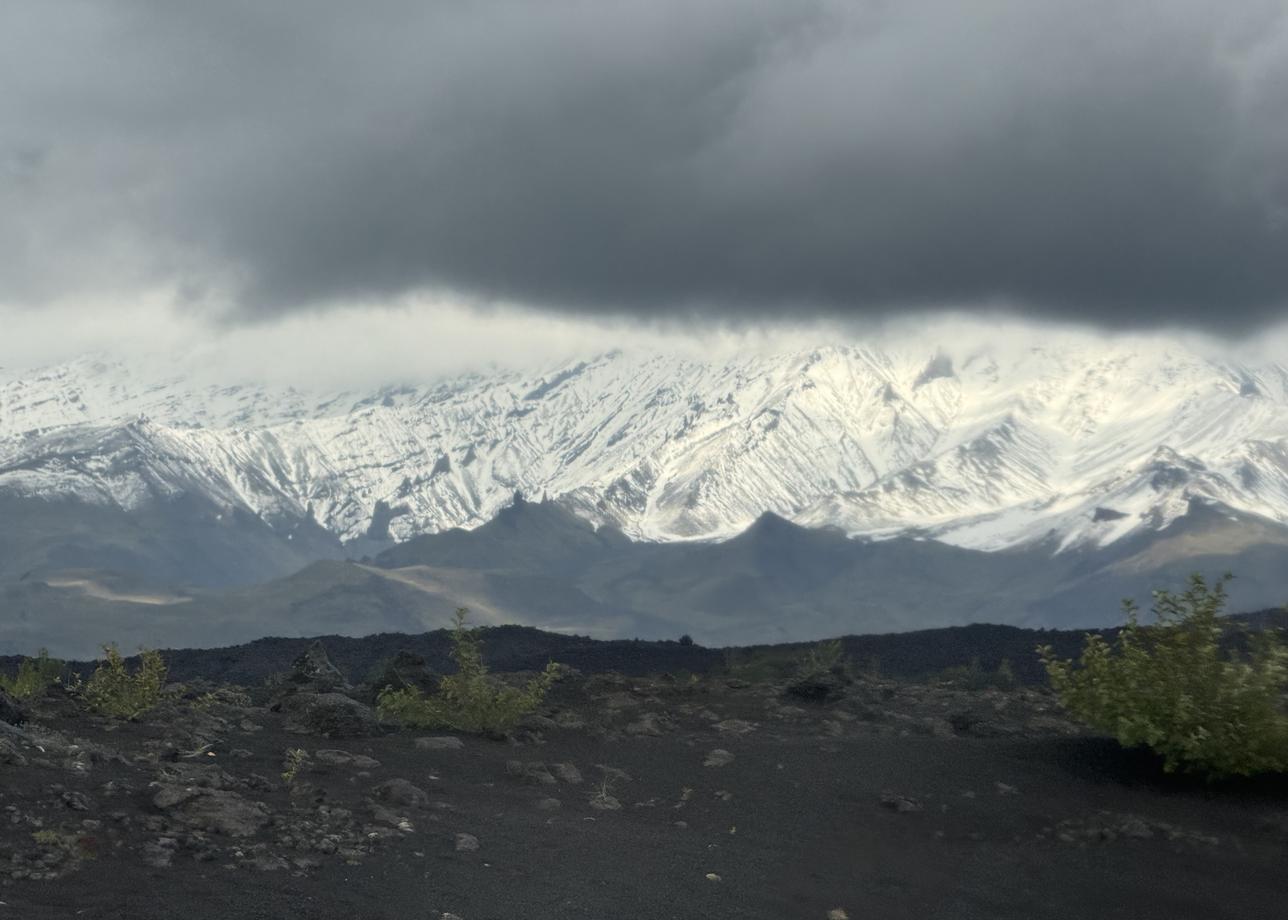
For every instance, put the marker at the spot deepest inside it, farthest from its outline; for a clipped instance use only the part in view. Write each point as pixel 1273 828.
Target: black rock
pixel 315 671
pixel 405 671
pixel 333 715
pixel 818 688
pixel 10 711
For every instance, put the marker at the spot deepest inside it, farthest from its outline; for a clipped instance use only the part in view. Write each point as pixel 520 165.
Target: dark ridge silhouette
pixel 910 655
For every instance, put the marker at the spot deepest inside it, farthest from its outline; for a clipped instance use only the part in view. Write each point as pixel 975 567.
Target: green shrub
pixel 471 700
pixel 112 690
pixel 33 677
pixel 1172 687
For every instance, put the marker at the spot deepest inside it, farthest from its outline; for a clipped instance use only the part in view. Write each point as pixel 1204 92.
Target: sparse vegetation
pixel 821 658
pixel 68 845
pixel 294 761
pixel 975 676
pixel 113 690
pixel 1172 686
pixel 755 665
pixel 33 677
pixel 471 700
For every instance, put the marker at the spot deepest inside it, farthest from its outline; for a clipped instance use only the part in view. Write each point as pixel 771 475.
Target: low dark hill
pixel 538 565
pixel 537 538
pixel 183 540
pixel 910 655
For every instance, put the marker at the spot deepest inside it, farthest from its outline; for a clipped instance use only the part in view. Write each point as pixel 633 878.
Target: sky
pixel 501 176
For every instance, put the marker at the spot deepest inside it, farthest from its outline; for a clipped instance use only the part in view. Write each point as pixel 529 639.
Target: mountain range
pixel 838 489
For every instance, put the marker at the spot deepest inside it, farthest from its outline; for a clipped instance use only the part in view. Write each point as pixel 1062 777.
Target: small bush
pixel 1171 686
pixel 471 700
pixel 112 690
pixel 33 677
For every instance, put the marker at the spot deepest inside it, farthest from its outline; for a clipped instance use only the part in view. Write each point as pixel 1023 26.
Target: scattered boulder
pixel 613 774
pixel 333 715
pixel 900 803
pixel 533 771
pixel 336 758
pixel 219 811
pixel 401 792
pixel 718 758
pixel 649 723
pixel 824 687
pixel 983 722
pixel 566 773
pixel 186 775
pixel 159 854
pixel 383 815
pixel 439 743
pixel 466 843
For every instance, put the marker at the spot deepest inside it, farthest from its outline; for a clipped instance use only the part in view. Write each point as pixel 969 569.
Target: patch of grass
pixel 471 700
pixel 975 676
pixel 69 845
pixel 114 691
pixel 822 658
pixel 1172 687
pixel 34 676
pixel 759 665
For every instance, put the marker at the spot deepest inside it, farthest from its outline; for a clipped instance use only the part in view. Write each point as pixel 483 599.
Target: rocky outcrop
pixel 332 715
pixel 11 713
pixel 314 671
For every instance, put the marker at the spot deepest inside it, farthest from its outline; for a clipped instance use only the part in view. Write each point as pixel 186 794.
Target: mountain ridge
pixel 1059 445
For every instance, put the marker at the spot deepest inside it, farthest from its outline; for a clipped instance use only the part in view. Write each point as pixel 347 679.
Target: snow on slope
pixel 1075 441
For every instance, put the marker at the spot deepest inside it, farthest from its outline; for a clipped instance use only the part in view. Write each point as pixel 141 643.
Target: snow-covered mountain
pixel 1074 442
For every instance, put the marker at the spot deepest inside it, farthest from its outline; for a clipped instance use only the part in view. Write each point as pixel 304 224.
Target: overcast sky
pixel 1117 163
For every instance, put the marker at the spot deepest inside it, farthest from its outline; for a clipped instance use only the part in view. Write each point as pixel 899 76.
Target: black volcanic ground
pixel 708 793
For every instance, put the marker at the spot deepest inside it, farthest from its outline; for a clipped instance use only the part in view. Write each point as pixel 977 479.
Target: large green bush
pixel 471 700
pixel 33 677
pixel 1206 707
pixel 113 690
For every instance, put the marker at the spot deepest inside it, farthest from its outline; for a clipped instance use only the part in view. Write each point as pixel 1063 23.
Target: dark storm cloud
pixel 1121 162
